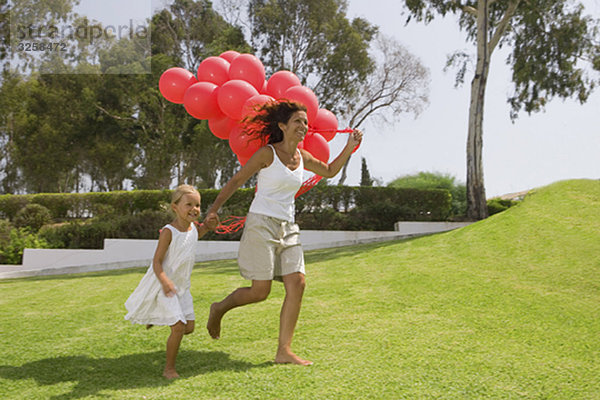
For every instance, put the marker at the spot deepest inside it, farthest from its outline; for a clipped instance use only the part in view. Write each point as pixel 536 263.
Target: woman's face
pixel 296 127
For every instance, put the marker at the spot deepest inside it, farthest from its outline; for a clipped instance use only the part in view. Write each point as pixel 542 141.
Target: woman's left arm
pixel 330 170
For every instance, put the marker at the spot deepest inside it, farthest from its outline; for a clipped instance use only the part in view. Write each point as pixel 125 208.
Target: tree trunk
pixel 476 199
pixel 344 172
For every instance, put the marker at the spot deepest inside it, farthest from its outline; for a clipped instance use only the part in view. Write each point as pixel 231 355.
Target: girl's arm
pixel 159 255
pixel 330 170
pixel 262 158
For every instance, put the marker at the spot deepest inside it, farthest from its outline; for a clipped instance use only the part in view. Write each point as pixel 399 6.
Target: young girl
pixel 163 295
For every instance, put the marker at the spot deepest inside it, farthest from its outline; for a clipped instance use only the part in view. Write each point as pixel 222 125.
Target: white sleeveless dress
pixel 148 303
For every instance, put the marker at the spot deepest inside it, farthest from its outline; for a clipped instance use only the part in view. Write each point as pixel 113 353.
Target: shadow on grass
pixel 93 375
pixel 337 252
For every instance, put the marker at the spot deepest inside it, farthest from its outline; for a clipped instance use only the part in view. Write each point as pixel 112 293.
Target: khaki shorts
pixel 270 248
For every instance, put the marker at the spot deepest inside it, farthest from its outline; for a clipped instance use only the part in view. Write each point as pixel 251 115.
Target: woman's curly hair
pixel 262 124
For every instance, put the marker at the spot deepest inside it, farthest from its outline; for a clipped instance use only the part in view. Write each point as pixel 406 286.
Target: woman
pixel 270 247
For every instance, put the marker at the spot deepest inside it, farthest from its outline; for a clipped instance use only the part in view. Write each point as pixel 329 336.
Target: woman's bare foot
pixel 214 322
pixel 287 357
pixel 170 374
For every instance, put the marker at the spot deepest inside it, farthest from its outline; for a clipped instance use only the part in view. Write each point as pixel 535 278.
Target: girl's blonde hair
pixel 180 191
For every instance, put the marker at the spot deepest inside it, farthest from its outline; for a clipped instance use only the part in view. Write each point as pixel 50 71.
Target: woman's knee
pixel 295 282
pixel 260 292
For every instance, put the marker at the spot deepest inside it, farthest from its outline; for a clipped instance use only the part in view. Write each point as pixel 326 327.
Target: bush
pixel 436 180
pixel 5 228
pixel 497 205
pixel 369 208
pixel 139 214
pixel 33 216
pixel 91 234
pixel 11 252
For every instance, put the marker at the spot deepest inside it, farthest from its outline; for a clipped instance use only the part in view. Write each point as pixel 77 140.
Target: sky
pixel 563 142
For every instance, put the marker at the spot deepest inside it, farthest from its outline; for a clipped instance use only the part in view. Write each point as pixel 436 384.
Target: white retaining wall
pixel 128 253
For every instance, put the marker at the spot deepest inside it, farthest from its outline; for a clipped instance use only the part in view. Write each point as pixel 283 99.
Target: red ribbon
pixel 233 224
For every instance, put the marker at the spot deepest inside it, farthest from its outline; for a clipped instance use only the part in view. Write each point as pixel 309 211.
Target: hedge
pixel 83 220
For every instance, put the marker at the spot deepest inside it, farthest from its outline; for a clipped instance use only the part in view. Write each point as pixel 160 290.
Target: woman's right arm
pixel 262 158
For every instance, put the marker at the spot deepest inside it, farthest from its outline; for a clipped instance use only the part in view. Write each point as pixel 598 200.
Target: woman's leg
pixel 259 291
pixel 173 342
pixel 294 289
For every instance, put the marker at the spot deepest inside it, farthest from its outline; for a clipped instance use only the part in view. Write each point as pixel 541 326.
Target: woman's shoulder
pixel 265 155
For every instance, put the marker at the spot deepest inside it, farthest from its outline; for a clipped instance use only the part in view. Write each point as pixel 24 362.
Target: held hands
pixel 212 221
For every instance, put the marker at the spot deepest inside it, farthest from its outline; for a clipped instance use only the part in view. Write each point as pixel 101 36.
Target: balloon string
pixel 230 225
pixel 233 224
pixel 346 130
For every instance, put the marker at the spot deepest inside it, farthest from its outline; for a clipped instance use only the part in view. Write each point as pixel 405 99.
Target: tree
pixel 354 72
pixel 398 84
pixel 552 44
pixel 315 40
pixel 173 142
pixel 365 176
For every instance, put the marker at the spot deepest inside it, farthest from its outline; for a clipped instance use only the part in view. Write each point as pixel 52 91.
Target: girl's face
pixel 296 127
pixel 188 207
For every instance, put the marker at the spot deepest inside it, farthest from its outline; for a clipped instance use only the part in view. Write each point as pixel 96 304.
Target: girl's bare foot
pixel 287 357
pixel 214 322
pixel 170 374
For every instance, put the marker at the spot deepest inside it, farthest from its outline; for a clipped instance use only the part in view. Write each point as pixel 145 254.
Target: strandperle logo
pixel 52 40
pixel 84 32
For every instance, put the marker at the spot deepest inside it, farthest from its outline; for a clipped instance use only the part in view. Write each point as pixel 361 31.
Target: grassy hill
pixel 505 308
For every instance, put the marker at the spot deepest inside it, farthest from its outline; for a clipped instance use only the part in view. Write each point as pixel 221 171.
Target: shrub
pixel 436 180
pixel 91 234
pixel 497 205
pixel 10 204
pixel 33 216
pixel 5 228
pixel 11 252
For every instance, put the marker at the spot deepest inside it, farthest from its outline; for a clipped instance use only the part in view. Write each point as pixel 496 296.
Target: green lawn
pixel 507 308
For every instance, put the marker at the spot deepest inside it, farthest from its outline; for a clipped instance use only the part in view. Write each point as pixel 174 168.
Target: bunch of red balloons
pixel 228 87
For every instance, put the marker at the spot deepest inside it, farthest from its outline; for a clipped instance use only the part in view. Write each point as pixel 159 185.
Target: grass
pixel 507 308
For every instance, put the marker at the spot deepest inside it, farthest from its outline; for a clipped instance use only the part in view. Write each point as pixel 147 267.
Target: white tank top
pixel 276 189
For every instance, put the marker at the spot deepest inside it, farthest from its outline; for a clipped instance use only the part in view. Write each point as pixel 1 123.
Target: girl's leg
pixel 173 342
pixel 259 291
pixel 189 327
pixel 294 288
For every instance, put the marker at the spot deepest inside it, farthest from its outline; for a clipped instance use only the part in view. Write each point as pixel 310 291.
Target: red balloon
pixel 232 96
pixel 241 144
pixel 325 123
pixel 200 101
pixel 243 160
pixel 248 67
pixel 214 69
pixel 229 55
pixel 221 127
pixel 281 81
pixel 252 102
pixel 174 82
pixel 316 145
pixel 264 88
pixel 305 96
